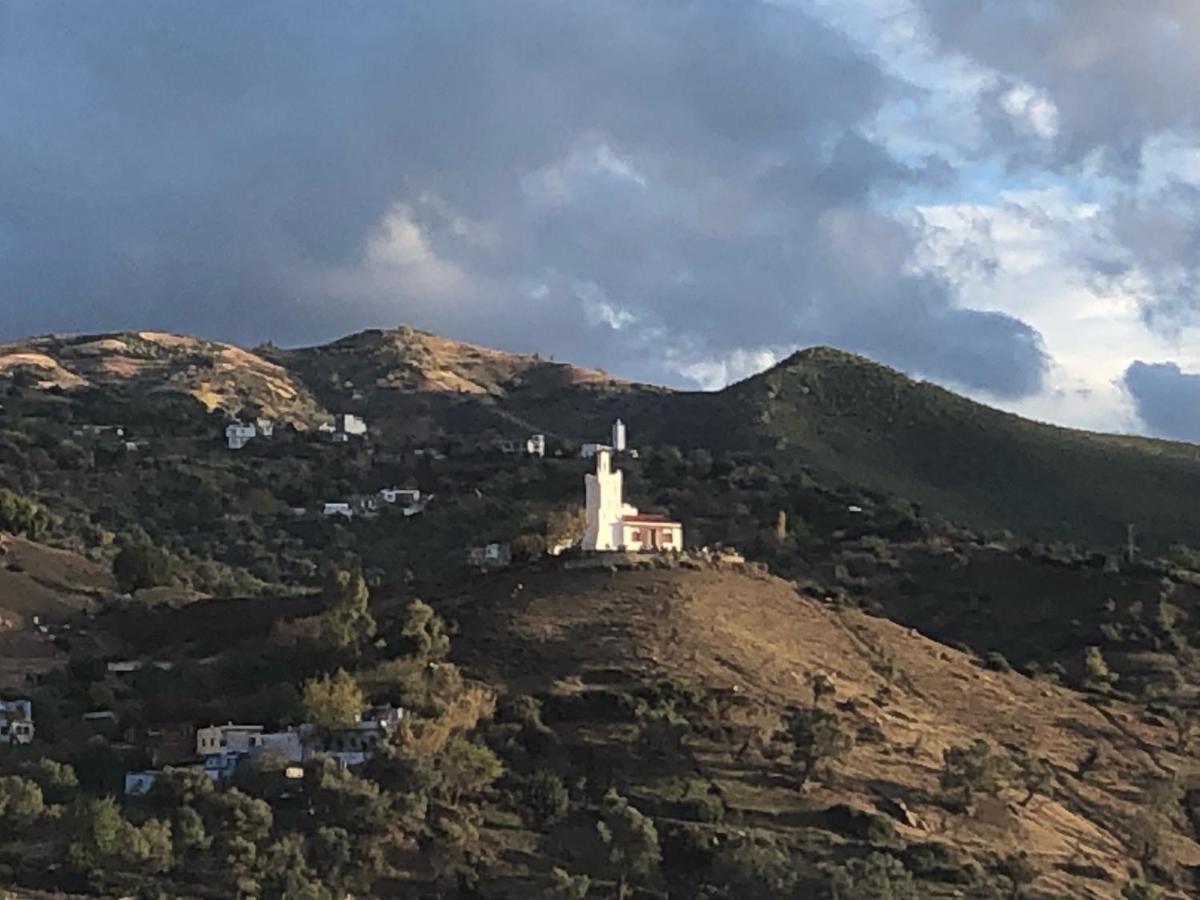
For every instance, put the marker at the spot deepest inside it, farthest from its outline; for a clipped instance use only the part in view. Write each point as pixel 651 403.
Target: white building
pixel 612 524
pixel 16 721
pixel 534 445
pixel 403 496
pixel 229 738
pixel 338 509
pixel 618 436
pixel 266 427
pixel 238 435
pixel 346 426
pixel 589 451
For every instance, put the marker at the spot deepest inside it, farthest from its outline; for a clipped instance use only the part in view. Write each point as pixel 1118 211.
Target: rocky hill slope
pixel 581 640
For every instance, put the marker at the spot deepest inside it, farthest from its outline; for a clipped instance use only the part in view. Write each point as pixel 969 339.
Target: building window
pixel 637 534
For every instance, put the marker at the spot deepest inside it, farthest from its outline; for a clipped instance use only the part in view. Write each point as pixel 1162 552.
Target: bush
pixel 142 566
pixel 547 798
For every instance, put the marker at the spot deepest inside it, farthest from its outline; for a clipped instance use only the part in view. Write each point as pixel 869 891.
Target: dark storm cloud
pixel 1166 398
pixel 1117 72
pixel 619 183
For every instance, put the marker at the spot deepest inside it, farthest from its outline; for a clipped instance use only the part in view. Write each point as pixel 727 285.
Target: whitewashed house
pixel 346 426
pixel 339 508
pixel 16 722
pixel 612 524
pixel 534 445
pixel 403 496
pixel 354 745
pixel 239 434
pixel 266 427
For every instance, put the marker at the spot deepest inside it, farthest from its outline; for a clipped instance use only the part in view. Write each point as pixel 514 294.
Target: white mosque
pixel 612 524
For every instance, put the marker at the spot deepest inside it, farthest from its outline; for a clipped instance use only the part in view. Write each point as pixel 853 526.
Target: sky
pixel 1000 196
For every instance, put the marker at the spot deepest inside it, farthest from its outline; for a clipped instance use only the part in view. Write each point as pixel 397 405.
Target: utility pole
pixel 1130 542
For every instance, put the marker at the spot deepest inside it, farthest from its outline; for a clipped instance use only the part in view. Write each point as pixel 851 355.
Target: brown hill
pixel 38 581
pixel 215 374
pixel 586 634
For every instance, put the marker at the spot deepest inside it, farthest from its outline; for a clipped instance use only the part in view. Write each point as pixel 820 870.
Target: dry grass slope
pixel 554 631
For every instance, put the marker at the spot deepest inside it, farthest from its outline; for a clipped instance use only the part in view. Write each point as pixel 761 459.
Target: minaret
pixel 605 506
pixel 618 436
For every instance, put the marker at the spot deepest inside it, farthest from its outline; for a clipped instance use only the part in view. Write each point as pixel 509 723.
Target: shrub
pixel 142 566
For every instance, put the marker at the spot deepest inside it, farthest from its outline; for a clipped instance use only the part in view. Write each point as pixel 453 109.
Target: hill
pixel 216 375
pixel 582 640
pixel 861 423
pixel 843 418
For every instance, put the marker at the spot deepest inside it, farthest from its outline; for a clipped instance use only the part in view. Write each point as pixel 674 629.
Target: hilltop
pixel 216 375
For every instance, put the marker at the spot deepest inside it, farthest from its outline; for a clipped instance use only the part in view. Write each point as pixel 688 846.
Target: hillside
pixel 46 584
pixel 864 424
pixel 580 640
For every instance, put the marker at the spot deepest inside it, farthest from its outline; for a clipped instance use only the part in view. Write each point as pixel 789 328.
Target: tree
pixel 333 701
pixel 878 877
pixel 1096 674
pixel 1033 773
pixel 1140 890
pixel 567 886
pixel 20 798
pixel 57 780
pixel 631 839
pixel 20 515
pixel 815 736
pixel 96 831
pixel 973 769
pixel 466 768
pixel 426 630
pixel 547 798
pixel 141 566
pixel 347 624
pixel 1020 871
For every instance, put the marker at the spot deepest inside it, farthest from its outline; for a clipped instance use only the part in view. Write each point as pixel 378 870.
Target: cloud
pixel 660 189
pixel 1166 398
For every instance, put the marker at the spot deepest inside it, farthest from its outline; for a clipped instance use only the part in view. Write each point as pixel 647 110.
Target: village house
pixel 489 556
pixel 169 745
pixel 618 443
pixel 239 434
pixel 344 427
pixel 534 445
pixel 98 430
pixel 338 508
pixel 354 745
pixel 16 722
pixel 403 496
pixel 228 738
pixel 612 524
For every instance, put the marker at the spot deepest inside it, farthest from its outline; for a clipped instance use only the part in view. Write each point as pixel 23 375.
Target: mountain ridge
pixel 845 417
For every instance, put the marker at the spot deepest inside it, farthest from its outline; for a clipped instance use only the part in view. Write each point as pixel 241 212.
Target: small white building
pixel 346 426
pixel 403 496
pixel 534 445
pixel 266 427
pixel 339 508
pixel 239 434
pixel 16 722
pixel 612 524
pixel 228 738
